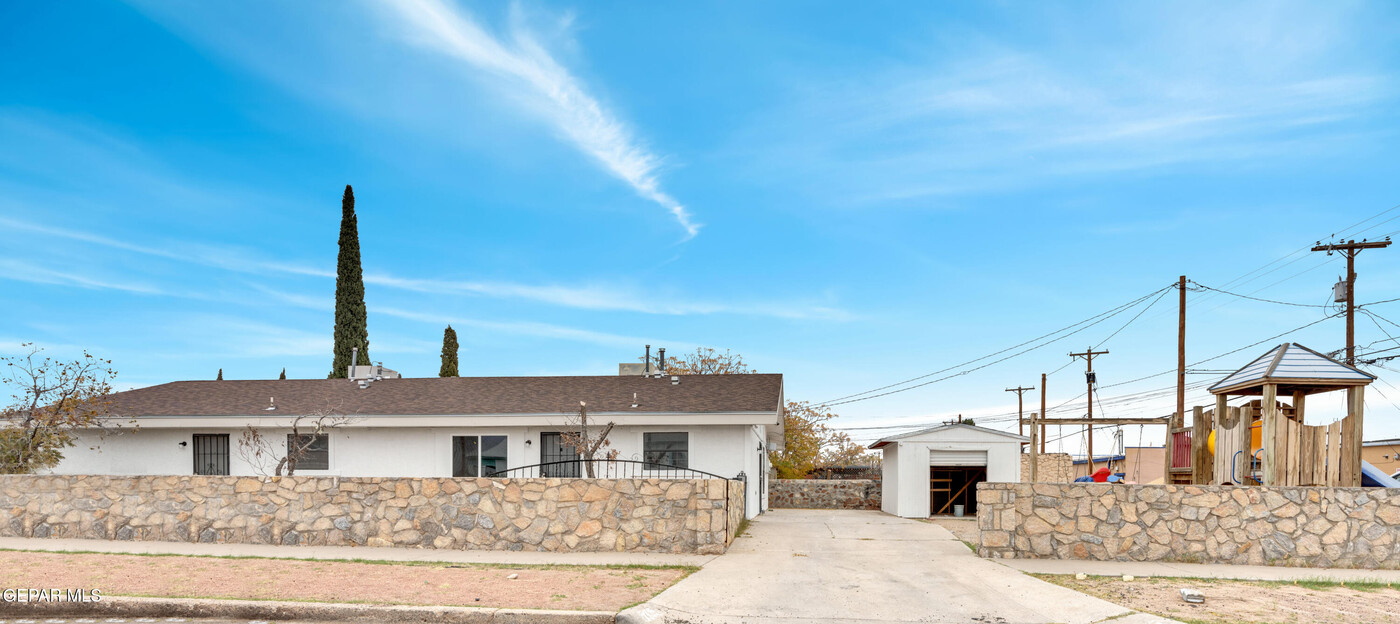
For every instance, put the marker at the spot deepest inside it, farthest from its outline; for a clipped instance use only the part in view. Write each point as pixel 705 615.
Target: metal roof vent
pixel 675 381
pixel 271 405
pixel 364 383
pixel 634 399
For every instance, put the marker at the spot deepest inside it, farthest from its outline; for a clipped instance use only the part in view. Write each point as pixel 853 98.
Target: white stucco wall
pixel 905 472
pixel 724 450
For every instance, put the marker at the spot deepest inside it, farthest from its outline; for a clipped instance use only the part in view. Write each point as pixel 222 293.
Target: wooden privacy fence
pixel 1234 457
pixel 1303 455
pixel 1315 455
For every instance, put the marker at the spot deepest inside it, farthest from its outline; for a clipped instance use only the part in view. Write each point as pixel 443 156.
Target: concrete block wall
pixel 651 515
pixel 1290 526
pixel 824 494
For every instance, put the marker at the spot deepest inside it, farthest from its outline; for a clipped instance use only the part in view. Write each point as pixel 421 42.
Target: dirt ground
pixel 1245 602
pixel 964 529
pixel 590 588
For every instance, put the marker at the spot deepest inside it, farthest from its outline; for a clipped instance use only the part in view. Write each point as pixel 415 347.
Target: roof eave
pixel 1322 385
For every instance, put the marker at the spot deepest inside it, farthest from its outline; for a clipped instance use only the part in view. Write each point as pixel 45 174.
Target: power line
pixel 1232 352
pixel 1143 395
pixel 1287 303
pixel 1342 232
pixel 1096 319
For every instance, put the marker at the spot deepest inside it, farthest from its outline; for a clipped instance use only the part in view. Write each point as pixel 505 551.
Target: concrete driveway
pixel 808 566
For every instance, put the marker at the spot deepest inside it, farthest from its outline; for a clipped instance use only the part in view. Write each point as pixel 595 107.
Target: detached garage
pixel 933 471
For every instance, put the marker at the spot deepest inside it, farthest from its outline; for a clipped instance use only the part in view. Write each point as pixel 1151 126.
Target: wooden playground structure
pixel 1266 441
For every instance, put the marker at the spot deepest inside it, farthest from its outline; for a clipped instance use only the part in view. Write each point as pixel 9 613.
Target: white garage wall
pixel 905 488
pixel 889 480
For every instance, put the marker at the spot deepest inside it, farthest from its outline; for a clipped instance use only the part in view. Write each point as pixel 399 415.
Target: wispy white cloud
pixel 559 95
pixel 607 297
pixel 221 257
pixel 24 271
pixel 614 297
pixel 524 328
pixel 993 117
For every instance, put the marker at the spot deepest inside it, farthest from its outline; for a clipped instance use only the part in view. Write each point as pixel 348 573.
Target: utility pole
pixel 1088 356
pixel 1020 411
pixel 1042 413
pixel 1350 249
pixel 1181 351
pixel 1179 419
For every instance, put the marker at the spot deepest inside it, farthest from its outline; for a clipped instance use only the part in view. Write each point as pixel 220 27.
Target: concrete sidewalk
pixel 354 552
pixel 1146 569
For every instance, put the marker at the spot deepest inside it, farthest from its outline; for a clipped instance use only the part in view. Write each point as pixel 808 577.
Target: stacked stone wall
pixel 736 512
pixel 1053 468
pixel 1293 526
pixel 652 515
pixel 824 494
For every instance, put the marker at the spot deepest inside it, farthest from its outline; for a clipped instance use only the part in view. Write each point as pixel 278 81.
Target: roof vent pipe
pixel 646 370
pixel 354 358
pixel 661 361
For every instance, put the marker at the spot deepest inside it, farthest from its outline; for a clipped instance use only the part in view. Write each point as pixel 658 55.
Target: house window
pixel 553 449
pixel 211 453
pixel 666 449
pixel 478 456
pixel 317 456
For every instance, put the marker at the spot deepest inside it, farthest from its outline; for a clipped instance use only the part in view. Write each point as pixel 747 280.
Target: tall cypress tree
pixel 283 375
pixel 449 353
pixel 221 375
pixel 351 326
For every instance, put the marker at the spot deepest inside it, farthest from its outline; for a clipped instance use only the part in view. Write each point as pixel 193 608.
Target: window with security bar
pixel 211 453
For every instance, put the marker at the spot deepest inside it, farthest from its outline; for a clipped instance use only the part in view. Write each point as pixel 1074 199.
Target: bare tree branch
pixel 588 444
pixel 51 402
pixel 259 450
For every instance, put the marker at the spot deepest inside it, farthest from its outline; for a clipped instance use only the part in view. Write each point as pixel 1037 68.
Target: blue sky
pixel 851 198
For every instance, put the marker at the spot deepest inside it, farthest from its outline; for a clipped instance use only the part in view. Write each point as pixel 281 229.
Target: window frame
pixel 646 453
pixel 195 448
pixel 301 461
pixel 480 454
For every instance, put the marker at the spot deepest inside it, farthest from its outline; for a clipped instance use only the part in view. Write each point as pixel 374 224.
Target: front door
pixel 553 449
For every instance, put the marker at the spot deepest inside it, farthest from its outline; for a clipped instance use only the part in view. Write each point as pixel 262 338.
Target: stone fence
pixel 652 515
pixel 1293 526
pixel 824 494
pixel 1051 468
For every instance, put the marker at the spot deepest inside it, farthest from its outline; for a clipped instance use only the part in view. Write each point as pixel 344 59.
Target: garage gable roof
pixel 930 432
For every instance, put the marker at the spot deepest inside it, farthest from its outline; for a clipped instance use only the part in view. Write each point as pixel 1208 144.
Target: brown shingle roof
pixel 456 395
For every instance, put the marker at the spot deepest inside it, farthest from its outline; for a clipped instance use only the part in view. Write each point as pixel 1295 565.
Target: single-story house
pixel 934 471
pixel 1383 454
pixel 445 427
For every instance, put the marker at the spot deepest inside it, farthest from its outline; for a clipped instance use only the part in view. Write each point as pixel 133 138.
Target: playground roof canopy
pixel 1293 368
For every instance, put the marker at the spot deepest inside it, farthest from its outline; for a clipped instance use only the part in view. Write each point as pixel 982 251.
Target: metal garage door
pixel 957 458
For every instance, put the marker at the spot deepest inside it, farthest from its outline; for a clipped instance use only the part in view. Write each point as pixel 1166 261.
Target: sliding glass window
pixel 478 456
